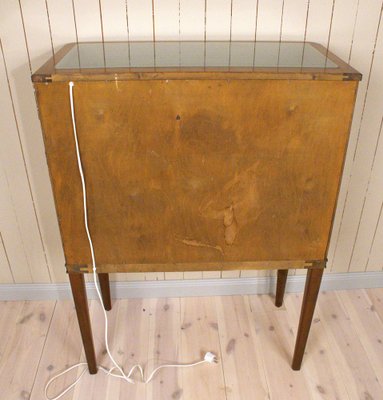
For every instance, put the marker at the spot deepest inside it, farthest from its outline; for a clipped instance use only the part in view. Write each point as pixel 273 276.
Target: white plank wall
pixel 244 19
pixel 5 266
pixel 358 166
pixel 33 30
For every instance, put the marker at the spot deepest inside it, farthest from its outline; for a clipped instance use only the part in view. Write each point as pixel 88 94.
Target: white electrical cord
pixel 208 358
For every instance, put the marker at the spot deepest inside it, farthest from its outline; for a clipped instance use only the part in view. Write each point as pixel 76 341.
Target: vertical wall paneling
pixel 361 53
pixel 62 22
pixel 340 42
pixel 167 19
pixel 243 21
pixel 115 26
pixel 374 262
pixel 174 275
pixel 342 28
pixel 29 205
pixel 369 189
pixel 353 190
pixel 14 254
pixel 5 267
pixel 192 20
pixel 193 275
pixel 140 19
pixel 211 274
pixel 88 20
pixel 114 19
pixel 130 276
pixel 269 21
pixel 39 40
pixel 154 276
pixel 372 218
pixel 218 19
pixel 295 13
pixel 30 246
pixel 11 234
pixel 319 21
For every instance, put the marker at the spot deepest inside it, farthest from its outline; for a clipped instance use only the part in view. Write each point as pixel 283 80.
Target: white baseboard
pixel 198 287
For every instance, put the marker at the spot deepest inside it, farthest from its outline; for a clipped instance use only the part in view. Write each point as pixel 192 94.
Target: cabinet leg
pixel 313 281
pixel 103 278
pixel 77 284
pixel 281 285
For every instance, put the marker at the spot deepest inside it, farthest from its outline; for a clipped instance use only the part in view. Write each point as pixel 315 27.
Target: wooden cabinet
pixel 198 155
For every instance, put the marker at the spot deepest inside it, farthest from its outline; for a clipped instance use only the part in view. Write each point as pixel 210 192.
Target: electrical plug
pixel 211 358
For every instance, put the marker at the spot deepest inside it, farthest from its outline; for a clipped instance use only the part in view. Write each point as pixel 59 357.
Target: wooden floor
pixel 253 340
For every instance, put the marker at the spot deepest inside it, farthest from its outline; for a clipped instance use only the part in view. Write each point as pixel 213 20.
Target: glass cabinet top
pixel 190 54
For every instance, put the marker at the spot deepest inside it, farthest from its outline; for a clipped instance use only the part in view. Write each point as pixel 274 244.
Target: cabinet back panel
pixel 198 171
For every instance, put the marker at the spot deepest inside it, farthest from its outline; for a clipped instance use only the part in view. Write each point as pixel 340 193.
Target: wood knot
pixel 230 346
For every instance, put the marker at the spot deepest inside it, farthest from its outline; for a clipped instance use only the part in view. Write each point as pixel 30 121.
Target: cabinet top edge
pixel 61 66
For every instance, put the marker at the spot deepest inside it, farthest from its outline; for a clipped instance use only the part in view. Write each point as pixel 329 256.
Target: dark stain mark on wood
pixel 178 117
pixel 177 394
pixel 208 133
pixel 246 334
pixel 26 318
pixel 321 389
pixel 24 395
pixel 367 396
pixel 334 316
pixel 380 341
pixel 213 325
pixel 42 317
pixel 271 328
pixel 50 367
pixel 321 351
pixel 186 325
pixel 230 346
pixel 372 308
pixel 166 307
pixel 227 389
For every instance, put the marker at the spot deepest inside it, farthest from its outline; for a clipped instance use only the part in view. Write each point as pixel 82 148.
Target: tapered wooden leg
pixel 77 284
pixel 313 281
pixel 103 278
pixel 281 285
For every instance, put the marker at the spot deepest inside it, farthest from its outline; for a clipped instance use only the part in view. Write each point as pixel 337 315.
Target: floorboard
pixel 252 338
